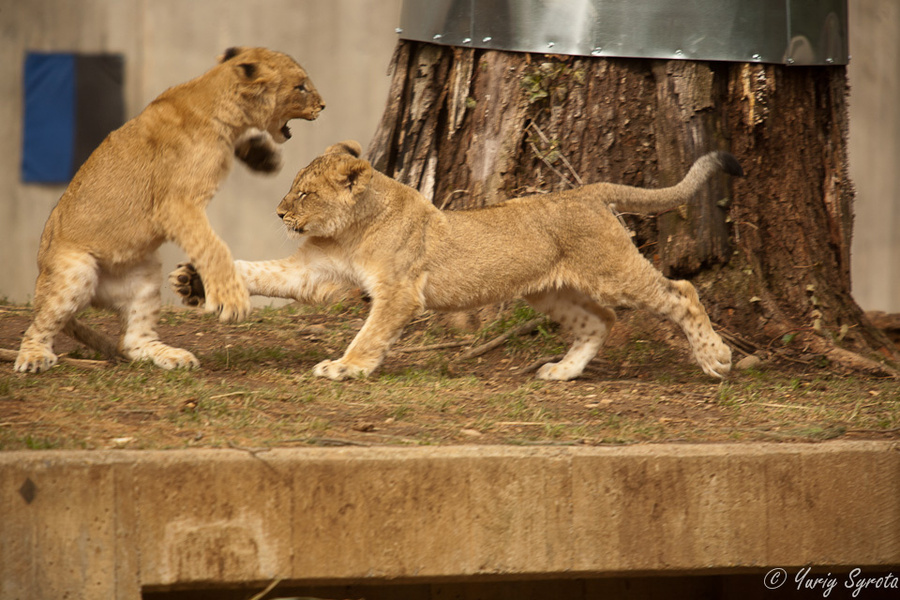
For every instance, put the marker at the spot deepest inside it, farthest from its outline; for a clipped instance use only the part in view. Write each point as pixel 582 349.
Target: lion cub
pixel 149 182
pixel 564 252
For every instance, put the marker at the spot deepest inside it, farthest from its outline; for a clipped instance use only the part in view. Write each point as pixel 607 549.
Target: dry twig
pixel 10 356
pixel 525 327
pixel 442 346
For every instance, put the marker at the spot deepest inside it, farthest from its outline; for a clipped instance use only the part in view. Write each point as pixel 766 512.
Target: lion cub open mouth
pixel 564 252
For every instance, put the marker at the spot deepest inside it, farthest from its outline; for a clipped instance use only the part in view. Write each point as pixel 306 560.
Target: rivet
pixel 467 41
pixel 487 39
pixel 551 44
pixel 790 61
pixel 398 30
pixel 829 60
pixel 437 36
pixel 597 51
pixel 678 52
pixel 756 57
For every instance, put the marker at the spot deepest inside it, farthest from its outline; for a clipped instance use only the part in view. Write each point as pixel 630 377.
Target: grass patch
pixel 255 389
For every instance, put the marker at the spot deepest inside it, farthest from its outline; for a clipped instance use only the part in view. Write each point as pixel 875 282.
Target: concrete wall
pixel 110 524
pixel 345 45
pixel 875 152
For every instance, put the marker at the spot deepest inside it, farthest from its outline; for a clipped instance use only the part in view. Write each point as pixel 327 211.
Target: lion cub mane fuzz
pixel 149 182
pixel 565 253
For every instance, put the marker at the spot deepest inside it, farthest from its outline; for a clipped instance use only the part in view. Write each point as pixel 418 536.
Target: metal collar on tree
pixel 792 32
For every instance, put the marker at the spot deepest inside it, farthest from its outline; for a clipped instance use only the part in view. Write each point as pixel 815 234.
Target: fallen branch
pixel 10 356
pixel 525 327
pixel 742 344
pixel 442 346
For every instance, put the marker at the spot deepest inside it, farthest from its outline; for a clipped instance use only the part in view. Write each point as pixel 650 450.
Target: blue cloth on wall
pixel 72 101
pixel 49 134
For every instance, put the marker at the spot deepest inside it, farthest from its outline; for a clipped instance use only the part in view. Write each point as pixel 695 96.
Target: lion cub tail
pixel 639 200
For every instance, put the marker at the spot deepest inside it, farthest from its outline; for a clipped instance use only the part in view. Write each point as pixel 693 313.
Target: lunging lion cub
pixel 565 253
pixel 149 182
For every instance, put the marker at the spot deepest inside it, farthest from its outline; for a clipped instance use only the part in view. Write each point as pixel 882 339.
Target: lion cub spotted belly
pixel 565 253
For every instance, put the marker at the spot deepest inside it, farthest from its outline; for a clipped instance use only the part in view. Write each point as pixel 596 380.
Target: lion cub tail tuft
pixel 729 164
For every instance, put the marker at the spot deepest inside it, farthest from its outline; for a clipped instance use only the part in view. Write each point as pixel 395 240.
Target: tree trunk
pixel 770 253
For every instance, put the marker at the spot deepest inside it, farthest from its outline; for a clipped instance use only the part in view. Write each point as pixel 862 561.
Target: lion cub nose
pixel 281 214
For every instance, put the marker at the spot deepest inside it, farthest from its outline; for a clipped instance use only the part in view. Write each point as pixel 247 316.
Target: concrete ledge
pixel 111 523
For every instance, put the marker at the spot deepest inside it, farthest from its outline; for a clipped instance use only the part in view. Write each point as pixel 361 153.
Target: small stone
pixel 748 362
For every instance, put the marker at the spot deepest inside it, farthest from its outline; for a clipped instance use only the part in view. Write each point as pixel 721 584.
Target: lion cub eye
pixel 301 88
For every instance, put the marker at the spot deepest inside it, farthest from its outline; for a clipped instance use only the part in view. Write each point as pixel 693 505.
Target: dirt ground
pixel 255 389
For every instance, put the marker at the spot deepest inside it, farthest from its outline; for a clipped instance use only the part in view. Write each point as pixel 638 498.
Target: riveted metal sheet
pixel 793 32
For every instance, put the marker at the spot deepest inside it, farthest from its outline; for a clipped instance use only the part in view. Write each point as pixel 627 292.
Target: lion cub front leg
pixel 390 314
pixel 224 289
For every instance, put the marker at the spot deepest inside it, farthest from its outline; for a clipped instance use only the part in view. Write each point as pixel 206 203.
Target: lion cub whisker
pixel 565 253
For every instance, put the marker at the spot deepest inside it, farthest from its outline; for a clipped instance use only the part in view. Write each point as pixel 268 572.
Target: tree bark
pixel 770 252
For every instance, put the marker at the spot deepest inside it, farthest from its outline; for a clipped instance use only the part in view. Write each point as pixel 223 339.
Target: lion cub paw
pixel 557 372
pixel 231 303
pixel 338 371
pixel 187 283
pixel 163 356
pixel 34 358
pixel 258 150
pixel 175 358
pixel 714 358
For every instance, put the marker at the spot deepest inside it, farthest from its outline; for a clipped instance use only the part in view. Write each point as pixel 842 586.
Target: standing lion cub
pixel 149 182
pixel 565 253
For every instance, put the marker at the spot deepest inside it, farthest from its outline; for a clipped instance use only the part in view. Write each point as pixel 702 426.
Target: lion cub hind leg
pixel 588 321
pixel 678 301
pixel 135 296
pixel 59 295
pixel 391 311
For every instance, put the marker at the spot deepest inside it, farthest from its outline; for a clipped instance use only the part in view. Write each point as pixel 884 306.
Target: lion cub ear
pixel 353 174
pixel 350 147
pixel 247 64
pixel 230 53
